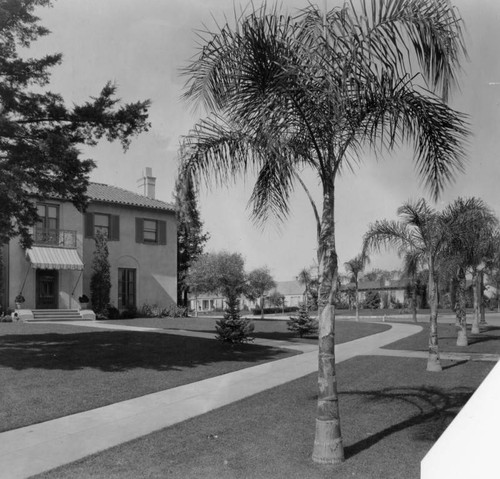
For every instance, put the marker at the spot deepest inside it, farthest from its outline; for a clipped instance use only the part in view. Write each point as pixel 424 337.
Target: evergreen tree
pixel 39 134
pixel 190 237
pixel 303 324
pixel 232 328
pixel 100 281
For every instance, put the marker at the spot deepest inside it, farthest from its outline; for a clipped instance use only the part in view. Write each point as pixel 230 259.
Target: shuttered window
pixel 109 225
pixel 150 231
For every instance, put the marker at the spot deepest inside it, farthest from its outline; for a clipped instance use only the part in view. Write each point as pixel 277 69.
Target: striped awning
pixel 54 258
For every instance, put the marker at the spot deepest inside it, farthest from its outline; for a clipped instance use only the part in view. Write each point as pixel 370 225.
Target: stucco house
pixel 56 271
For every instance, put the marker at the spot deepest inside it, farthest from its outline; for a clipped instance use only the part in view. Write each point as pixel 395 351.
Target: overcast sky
pixel 142 44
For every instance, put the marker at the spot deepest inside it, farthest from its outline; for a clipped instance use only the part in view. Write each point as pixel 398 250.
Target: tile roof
pixel 114 194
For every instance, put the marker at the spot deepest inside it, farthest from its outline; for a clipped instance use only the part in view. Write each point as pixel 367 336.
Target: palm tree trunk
pixel 475 290
pixel 482 308
pixel 357 301
pixel 328 447
pixel 414 301
pixel 433 362
pixel 460 310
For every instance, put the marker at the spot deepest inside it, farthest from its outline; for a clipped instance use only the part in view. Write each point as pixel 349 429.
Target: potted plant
pixel 83 300
pixel 19 300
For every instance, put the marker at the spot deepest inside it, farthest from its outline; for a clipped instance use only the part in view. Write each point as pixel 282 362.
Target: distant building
pixel 56 271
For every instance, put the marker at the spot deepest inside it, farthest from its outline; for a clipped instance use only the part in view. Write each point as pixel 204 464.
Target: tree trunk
pixel 262 307
pixel 475 290
pixel 481 299
pixel 357 302
pixel 414 302
pixel 328 447
pixel 460 310
pixel 433 362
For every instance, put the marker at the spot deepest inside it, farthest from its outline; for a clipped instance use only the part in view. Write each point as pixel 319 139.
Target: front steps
pixel 56 315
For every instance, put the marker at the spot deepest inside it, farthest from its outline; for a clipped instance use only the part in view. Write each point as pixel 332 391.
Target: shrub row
pixel 287 309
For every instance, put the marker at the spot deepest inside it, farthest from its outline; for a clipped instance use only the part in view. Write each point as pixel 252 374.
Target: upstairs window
pixel 108 225
pixel 101 224
pixel 150 231
pixel 48 217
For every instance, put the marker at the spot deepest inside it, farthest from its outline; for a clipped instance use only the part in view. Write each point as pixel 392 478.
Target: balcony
pixel 57 238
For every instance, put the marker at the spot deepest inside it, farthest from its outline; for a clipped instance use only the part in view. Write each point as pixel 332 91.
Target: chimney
pixel 147 183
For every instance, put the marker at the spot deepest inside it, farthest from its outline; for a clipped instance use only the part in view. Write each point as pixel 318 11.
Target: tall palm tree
pixel 420 234
pixel 471 241
pixel 287 92
pixel 355 266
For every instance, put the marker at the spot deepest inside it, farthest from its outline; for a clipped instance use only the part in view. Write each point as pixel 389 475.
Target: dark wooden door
pixel 47 288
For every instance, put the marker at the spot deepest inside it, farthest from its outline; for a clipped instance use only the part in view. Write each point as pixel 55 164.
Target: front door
pixel 47 288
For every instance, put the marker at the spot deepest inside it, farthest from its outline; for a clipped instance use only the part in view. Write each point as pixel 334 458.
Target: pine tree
pixel 39 135
pixel 303 324
pixel 232 328
pixel 100 281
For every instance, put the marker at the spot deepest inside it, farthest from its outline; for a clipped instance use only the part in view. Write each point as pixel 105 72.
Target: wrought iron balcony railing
pixel 59 238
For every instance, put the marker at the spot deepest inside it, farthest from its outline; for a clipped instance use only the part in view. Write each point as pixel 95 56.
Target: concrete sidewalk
pixel 34 449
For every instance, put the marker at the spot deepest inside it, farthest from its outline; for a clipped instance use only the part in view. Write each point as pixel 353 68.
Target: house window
pixel 108 225
pixel 48 217
pixel 126 288
pixel 150 231
pixel 101 224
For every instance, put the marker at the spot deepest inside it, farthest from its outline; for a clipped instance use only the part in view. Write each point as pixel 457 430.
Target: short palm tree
pixel 355 266
pixel 304 279
pixel 471 239
pixel 419 234
pixel 310 90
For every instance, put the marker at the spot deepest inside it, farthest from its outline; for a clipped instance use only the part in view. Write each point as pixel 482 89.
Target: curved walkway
pixel 37 448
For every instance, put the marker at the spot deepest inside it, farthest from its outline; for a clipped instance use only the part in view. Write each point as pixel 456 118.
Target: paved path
pixel 40 447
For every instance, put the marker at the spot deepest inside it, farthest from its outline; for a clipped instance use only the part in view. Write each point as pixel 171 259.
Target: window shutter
pixel 114 228
pixel 162 232
pixel 139 230
pixel 89 225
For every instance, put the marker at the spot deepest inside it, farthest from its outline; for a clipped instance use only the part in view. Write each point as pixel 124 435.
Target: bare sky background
pixel 142 44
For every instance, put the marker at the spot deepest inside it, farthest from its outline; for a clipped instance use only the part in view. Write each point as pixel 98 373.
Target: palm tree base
pixel 434 365
pixel 462 339
pixel 475 329
pixel 328 447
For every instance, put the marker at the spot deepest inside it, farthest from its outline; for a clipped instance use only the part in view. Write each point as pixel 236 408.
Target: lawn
pixel 485 342
pixel 267 328
pixel 52 370
pixel 392 413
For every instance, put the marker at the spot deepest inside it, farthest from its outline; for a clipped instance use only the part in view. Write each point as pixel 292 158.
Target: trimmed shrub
pixel 274 310
pixel 232 328
pixel 303 324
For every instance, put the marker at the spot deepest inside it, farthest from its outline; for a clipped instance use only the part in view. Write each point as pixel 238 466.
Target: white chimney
pixel 147 183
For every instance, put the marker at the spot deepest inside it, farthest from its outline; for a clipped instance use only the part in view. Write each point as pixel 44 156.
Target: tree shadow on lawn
pixel 447 337
pixel 123 350
pixel 435 407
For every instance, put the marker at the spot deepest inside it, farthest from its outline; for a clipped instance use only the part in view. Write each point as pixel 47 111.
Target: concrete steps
pixel 56 315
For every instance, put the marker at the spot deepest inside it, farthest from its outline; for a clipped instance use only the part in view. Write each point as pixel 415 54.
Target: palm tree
pixel 411 268
pixel 355 266
pixel 309 90
pixel 471 241
pixel 418 234
pixel 304 279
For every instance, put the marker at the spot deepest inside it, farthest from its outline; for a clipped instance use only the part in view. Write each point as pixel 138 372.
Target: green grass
pixel 52 370
pixel 392 412
pixel 266 329
pixel 486 342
